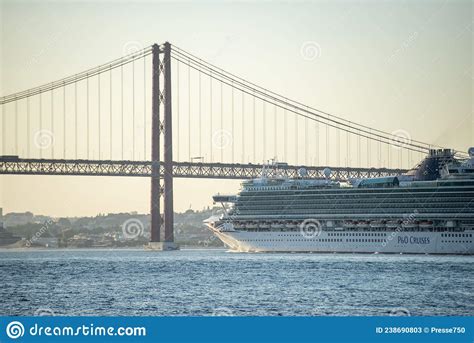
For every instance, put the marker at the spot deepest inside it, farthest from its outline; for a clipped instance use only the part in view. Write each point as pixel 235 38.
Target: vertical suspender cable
pixel 87 115
pixel 338 148
pixel 254 133
pixel 285 133
pixel 389 147
pixel 232 112
pixel 210 113
pixel 121 102
pixel 358 150
pixel 200 115
pixel 264 130
pixel 400 158
pixel 16 128
pixel 98 108
pixel 316 142
pixel 380 154
pixel 189 110
pixel 296 136
pixel 64 121
pixel 110 113
pixel 4 131
pixel 52 120
pixel 144 108
pixel 28 131
pixel 75 118
pixel 177 111
pixel 369 141
pixel 305 140
pixel 349 157
pixel 133 110
pixel 28 140
pixel 222 124
pixel 327 143
pixel 40 133
pixel 275 150
pixel 243 127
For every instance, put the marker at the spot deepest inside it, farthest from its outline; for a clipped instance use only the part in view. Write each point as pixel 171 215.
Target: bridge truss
pixel 180 169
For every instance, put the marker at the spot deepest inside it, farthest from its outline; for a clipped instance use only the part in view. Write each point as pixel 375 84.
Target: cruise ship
pixel 428 210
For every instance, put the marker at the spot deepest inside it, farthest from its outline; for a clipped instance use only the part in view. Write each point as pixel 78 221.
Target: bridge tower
pixel 162 237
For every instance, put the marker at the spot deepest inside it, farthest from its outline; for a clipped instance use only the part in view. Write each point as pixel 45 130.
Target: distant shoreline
pixel 22 249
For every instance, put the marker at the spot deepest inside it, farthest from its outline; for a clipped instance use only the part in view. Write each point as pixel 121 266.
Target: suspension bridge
pixel 120 119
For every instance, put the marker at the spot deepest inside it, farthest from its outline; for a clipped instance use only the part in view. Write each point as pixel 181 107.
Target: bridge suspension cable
pixel 77 77
pixel 93 114
pixel 301 136
pixel 310 115
pixel 320 116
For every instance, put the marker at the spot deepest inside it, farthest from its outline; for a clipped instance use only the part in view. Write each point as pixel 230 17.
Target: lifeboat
pixel 377 223
pixel 277 225
pixel 349 224
pixel 426 224
pixel 239 225
pixel 363 224
pixel 393 224
pixel 226 227
pixel 410 224
pixel 450 223
pixel 251 225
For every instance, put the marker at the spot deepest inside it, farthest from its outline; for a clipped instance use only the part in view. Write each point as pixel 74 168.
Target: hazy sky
pixel 398 65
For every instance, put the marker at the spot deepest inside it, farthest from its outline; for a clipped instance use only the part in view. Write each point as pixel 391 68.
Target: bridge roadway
pixel 19 166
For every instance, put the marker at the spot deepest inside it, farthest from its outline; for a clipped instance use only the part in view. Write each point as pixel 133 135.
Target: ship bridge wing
pixel 224 198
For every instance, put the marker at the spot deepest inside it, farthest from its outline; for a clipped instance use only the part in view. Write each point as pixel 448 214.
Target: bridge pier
pixel 162 67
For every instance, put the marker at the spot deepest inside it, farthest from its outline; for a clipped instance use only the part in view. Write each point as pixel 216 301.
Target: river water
pixel 217 282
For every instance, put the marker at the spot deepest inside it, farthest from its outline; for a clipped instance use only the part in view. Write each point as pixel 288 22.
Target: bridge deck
pixel 180 169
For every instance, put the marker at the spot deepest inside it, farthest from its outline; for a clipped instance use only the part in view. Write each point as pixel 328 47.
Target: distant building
pixel 6 238
pixel 47 242
pixel 13 219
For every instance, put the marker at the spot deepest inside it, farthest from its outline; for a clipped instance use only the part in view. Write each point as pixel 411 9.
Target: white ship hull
pixel 390 242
